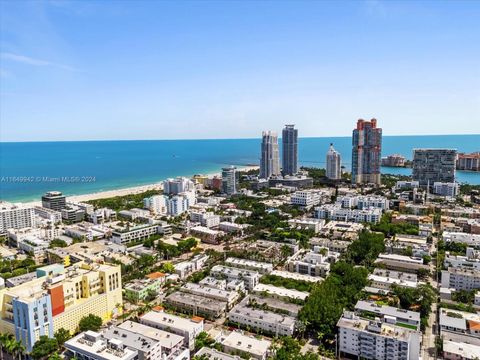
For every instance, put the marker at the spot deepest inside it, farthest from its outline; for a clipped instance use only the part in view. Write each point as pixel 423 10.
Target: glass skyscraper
pixel 289 150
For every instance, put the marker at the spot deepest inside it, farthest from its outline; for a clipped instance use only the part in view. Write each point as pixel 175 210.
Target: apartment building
pixel 377 339
pixel 15 217
pixel 461 278
pixel 248 346
pixel 250 278
pixel 267 321
pixel 134 233
pixel 389 314
pixel 206 219
pixel 401 262
pixel 230 297
pixel 314 263
pixel 280 292
pixel 196 304
pixel 189 328
pixel 92 345
pixel 383 279
pixel 172 346
pixel 59 298
pixel 305 198
pixel 261 267
pixel 337 213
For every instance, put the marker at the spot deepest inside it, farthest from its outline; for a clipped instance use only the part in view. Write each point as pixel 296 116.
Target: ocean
pixel 29 169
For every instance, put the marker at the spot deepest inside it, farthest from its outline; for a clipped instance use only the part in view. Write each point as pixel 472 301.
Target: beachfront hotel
pixel 59 298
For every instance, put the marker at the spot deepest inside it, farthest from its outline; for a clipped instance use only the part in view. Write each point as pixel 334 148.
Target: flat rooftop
pixel 166 339
pixel 171 320
pixel 248 344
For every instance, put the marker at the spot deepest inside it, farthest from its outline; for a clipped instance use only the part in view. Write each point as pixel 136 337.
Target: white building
pixel 337 213
pixel 261 267
pixel 250 278
pixel 280 292
pixel 461 278
pixel 172 346
pixel 372 339
pixel 402 185
pixel 267 321
pixel 177 204
pixel 157 204
pixel 450 190
pixel 250 346
pixel 15 217
pixel 313 263
pixel 334 169
pixel 178 185
pixel 92 345
pixel 461 237
pixel 230 297
pixel 126 235
pixel 189 328
pixel 230 227
pixel 305 198
pixel 310 224
pixel 206 219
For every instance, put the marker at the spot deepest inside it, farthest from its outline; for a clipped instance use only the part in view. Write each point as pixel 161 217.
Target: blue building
pixel 32 318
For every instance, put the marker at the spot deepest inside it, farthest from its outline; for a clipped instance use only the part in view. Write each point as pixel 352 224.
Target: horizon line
pixel 214 139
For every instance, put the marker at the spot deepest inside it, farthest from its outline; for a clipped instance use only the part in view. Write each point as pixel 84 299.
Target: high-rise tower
pixel 366 152
pixel 289 150
pixel 333 164
pixel 269 162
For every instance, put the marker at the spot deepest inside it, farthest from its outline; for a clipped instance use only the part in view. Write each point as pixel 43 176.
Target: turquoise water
pixel 90 166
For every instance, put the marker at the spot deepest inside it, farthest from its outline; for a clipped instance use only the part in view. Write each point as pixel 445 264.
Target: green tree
pixel 62 335
pixel 90 322
pixel 44 347
pixel 203 339
pixel 168 267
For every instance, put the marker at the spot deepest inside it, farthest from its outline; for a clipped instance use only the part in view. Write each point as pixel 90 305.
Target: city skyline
pixel 229 70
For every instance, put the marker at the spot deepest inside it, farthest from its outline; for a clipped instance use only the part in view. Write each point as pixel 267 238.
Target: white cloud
pixel 33 61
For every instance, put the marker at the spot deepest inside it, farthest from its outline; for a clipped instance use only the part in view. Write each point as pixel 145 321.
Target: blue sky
pixel 78 70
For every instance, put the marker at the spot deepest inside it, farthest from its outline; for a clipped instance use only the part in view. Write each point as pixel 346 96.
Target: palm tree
pixel 4 340
pixel 18 349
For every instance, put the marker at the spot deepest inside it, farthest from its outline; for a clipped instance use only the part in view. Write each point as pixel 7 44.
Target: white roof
pixel 464 350
pixel 280 291
pixel 247 344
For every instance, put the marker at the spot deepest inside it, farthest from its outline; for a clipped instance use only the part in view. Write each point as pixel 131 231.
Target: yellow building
pixel 59 298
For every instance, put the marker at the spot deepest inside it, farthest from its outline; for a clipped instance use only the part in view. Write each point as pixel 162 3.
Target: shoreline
pixel 132 190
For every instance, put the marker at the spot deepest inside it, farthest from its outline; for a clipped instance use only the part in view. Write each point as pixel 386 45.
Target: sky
pixel 92 70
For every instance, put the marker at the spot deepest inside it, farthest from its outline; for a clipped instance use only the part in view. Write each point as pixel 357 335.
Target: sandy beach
pixel 127 191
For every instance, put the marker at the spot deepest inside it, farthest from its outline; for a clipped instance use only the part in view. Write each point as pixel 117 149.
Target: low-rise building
pixel 207 235
pixel 189 328
pixel 314 263
pixel 141 289
pixel 230 297
pixel 337 213
pixel 296 276
pixel 196 304
pixel 92 345
pixel 172 346
pixel 280 292
pixel 250 278
pixel 383 279
pixel 125 235
pixel 238 343
pixel 461 278
pixel 261 267
pixel 401 262
pixel 307 224
pixel 389 314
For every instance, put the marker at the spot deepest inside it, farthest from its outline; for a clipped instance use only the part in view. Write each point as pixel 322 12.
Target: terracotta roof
pixel 197 319
pixel 473 325
pixel 158 308
pixel 155 275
